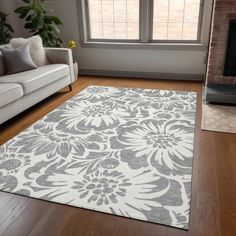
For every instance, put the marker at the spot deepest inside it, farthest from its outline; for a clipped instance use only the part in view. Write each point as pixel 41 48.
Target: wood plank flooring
pixel 213 205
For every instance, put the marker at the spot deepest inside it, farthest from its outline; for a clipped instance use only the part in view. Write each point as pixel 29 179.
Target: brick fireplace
pixel 224 12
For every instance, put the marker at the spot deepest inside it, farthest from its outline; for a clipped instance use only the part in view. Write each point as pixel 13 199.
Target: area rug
pixel 218 118
pixel 123 151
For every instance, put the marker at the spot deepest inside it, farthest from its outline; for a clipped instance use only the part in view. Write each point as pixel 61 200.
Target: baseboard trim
pixel 148 75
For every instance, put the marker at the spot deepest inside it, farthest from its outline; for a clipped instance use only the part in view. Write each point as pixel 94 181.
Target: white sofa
pixel 20 91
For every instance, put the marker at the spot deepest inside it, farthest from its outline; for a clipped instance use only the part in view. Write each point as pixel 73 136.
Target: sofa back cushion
pixel 36 49
pixel 17 60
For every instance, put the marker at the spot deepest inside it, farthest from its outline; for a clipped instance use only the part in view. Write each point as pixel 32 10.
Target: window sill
pixel 146 46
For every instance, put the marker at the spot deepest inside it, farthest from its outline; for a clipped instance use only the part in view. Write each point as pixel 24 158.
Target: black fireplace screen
pixel 230 60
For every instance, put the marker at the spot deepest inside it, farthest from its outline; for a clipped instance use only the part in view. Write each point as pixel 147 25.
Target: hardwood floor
pixel 213 205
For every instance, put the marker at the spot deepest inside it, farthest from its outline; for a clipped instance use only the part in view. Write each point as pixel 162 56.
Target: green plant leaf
pixel 37 22
pixel 5 29
pixel 9 27
pixel 56 20
pixel 22 10
pixel 29 26
pixel 29 17
pixel 3 16
pixel 53 28
pixel 47 20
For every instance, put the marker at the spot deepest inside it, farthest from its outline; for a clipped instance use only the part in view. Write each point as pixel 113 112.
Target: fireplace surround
pixel 221 67
pixel 230 58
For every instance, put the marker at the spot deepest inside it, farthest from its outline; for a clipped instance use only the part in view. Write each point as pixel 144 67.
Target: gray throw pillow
pixel 17 60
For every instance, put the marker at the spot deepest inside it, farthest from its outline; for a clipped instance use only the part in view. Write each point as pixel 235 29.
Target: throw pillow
pixel 2 69
pixel 17 60
pixel 37 51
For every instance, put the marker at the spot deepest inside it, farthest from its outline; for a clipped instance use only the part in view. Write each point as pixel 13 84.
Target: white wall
pixel 159 61
pixel 138 60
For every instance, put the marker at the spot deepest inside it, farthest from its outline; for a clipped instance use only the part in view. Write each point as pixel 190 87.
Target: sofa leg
pixel 70 87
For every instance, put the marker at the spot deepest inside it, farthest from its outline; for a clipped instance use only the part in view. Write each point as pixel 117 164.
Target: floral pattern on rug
pixel 122 151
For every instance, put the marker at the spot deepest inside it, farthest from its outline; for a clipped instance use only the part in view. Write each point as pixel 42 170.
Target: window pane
pixel 160 29
pixel 175 19
pixel 114 19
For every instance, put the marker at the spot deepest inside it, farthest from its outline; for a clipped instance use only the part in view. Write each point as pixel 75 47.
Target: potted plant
pixel 72 44
pixel 39 22
pixel 5 29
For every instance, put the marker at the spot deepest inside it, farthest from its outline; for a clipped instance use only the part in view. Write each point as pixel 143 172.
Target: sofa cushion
pixel 38 78
pixel 17 60
pixel 37 51
pixel 10 92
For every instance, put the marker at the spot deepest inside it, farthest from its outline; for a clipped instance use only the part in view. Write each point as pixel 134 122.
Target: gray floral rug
pixel 123 151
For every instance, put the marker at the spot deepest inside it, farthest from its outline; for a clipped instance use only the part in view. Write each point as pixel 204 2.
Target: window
pixel 143 21
pixel 176 19
pixel 114 19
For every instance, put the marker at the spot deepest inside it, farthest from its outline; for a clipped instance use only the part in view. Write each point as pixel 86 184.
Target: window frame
pixel 199 30
pixel 108 40
pixel 145 31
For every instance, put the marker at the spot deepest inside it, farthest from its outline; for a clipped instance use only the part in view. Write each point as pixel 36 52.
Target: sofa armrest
pixel 61 56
